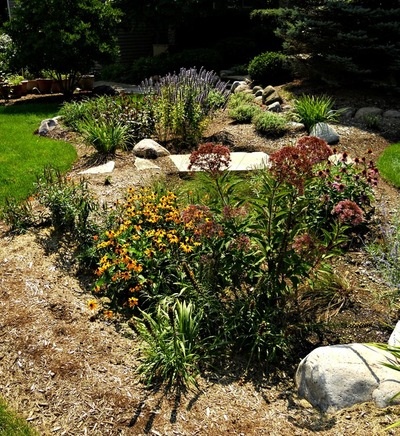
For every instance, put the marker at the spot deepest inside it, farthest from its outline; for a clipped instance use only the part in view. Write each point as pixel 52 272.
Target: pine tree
pixel 344 41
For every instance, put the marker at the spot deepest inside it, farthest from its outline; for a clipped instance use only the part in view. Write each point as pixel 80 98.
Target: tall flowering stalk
pixel 183 102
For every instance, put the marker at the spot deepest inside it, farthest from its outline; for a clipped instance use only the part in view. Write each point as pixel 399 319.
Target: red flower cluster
pixel 212 158
pixel 294 164
pixel 348 212
pixel 317 149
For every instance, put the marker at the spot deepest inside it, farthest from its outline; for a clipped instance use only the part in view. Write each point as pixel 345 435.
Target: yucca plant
pixel 311 109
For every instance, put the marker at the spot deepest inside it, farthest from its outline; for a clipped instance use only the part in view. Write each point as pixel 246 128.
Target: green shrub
pixel 311 109
pixel 270 68
pixel 269 123
pixel 240 98
pixel 244 113
pixel 384 251
pixel 19 215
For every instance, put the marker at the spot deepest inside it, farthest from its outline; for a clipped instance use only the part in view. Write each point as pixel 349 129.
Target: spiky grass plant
pixel 171 348
pixel 312 109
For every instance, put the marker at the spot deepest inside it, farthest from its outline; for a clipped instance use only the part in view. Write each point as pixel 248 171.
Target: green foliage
pixel 270 68
pixel 19 215
pixel 69 203
pixel 129 116
pixel 340 179
pixel 105 136
pixel 244 113
pixel 312 109
pixel 11 424
pixel 269 123
pixel 23 155
pixel 6 53
pixel 67 37
pixel 329 46
pixel 183 102
pixel 389 164
pixel 384 250
pixel 239 248
pixel 372 122
pixel 172 351
pixel 240 98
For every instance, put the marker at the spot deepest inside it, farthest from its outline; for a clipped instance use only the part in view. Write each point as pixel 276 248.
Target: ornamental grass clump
pixel 183 103
pixel 312 109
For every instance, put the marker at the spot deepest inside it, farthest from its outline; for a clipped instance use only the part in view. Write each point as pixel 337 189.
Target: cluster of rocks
pixel 270 98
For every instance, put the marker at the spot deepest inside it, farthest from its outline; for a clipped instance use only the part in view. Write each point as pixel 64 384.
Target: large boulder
pixel 149 149
pixel 325 132
pixel 338 376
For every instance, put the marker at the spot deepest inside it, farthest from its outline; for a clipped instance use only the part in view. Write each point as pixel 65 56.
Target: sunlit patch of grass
pixel 389 164
pixel 11 424
pixel 23 155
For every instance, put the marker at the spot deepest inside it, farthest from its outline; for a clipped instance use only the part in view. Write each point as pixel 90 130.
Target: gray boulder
pixel 338 376
pixel 47 125
pixel 391 114
pixel 149 149
pixel 270 95
pixel 368 112
pixel 325 132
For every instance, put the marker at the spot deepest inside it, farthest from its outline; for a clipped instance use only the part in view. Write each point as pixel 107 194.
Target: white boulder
pixel 338 376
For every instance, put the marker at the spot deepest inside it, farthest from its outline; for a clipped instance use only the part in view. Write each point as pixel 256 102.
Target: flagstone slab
pixel 240 161
pixel 100 169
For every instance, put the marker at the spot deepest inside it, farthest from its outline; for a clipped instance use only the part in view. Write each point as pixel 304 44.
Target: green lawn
pixel 23 155
pixel 389 164
pixel 11 424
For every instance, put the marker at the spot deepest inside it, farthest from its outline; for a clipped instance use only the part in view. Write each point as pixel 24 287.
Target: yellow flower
pixel 92 304
pixel 133 302
pixel 186 248
pixel 108 314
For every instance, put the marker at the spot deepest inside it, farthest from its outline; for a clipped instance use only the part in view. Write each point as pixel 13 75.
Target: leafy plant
pixel 19 215
pixel 105 137
pixel 183 102
pixel 172 349
pixel 311 109
pixel 269 123
pixel 69 203
pixel 134 112
pixel 270 68
pixel 244 113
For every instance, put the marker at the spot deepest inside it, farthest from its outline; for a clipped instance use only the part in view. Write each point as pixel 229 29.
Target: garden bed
pixel 68 372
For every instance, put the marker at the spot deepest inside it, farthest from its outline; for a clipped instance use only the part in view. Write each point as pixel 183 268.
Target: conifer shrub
pixel 270 68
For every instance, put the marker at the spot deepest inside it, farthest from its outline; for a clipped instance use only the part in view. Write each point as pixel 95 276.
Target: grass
pixel 389 164
pixel 11 424
pixel 23 155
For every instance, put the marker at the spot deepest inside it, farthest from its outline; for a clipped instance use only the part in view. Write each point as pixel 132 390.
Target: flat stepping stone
pixel 101 169
pixel 145 164
pixel 240 161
